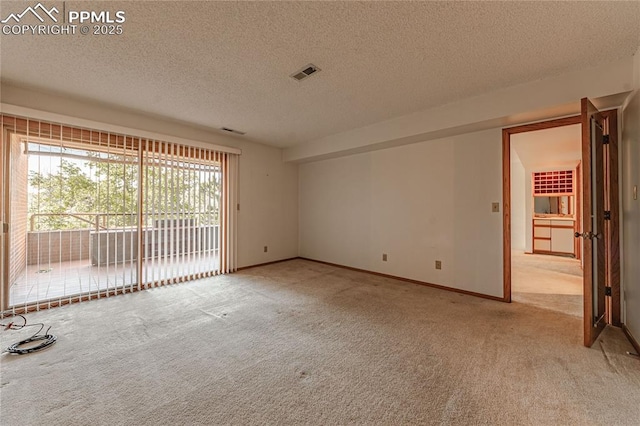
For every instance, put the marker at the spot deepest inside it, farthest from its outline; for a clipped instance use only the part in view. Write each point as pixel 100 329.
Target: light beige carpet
pixel 304 343
pixel 549 282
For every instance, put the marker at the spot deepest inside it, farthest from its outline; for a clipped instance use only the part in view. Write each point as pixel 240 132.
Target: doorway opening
pixel 583 200
pixel 545 213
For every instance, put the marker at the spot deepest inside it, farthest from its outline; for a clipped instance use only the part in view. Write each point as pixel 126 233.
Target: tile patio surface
pixel 60 280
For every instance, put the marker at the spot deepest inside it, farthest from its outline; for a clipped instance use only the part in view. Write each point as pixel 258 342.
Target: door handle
pixel 587 235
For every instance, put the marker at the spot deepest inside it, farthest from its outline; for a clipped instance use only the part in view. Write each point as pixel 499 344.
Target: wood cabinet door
pixel 562 238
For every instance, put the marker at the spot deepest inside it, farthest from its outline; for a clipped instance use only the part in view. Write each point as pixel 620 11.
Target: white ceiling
pixel 548 148
pixel 228 63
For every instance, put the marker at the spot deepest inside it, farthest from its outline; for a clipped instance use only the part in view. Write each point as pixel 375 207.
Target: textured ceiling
pixel 228 64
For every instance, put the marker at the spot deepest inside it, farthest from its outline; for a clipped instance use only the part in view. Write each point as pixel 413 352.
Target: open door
pixel 593 231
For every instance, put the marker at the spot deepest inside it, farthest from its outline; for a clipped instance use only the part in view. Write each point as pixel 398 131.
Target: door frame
pixel 611 117
pixel 506 187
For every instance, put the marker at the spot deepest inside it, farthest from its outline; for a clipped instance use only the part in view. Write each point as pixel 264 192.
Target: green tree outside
pixel 109 187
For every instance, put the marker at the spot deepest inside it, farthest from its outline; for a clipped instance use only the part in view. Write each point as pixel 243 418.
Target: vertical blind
pixel 93 214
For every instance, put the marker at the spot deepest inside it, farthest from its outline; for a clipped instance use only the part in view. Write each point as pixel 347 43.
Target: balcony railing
pixel 97 220
pixel 104 243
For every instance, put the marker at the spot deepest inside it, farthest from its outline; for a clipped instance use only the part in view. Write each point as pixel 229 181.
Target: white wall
pixel 418 203
pixel 630 207
pixel 518 203
pixel 268 187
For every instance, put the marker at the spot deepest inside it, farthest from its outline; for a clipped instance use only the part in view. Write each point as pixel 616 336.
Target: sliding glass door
pixel 93 214
pixel 181 226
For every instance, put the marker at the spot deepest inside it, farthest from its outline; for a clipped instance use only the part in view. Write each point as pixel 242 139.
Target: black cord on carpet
pixel 46 338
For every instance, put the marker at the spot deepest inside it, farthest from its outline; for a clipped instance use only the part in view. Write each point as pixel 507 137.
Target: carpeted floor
pixel 549 282
pixel 304 343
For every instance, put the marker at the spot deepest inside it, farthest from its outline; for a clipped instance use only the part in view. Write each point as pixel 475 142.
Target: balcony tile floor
pixel 60 280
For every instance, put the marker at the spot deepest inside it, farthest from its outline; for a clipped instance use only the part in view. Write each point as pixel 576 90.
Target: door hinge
pixel 605 139
pixel 607 215
pixel 5 228
pixel 607 291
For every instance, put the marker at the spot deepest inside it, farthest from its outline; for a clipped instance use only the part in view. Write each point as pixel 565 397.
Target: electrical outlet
pixel 384 257
pixel 495 207
pixel 438 264
pixel 266 249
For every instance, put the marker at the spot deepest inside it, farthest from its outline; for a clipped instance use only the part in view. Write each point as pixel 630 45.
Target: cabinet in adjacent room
pixel 554 212
pixel 553 236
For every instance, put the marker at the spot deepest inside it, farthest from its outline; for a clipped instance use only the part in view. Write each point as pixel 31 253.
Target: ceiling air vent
pixel 237 132
pixel 305 72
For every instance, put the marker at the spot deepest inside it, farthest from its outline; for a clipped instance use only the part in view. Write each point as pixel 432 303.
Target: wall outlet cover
pixel 438 264
pixel 495 207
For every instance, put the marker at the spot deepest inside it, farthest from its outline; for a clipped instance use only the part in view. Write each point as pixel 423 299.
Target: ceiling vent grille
pixel 305 72
pixel 237 132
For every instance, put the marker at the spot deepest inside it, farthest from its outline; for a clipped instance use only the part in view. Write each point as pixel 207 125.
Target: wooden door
pixel 594 248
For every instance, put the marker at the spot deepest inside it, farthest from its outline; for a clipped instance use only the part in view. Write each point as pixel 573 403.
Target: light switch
pixel 495 207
